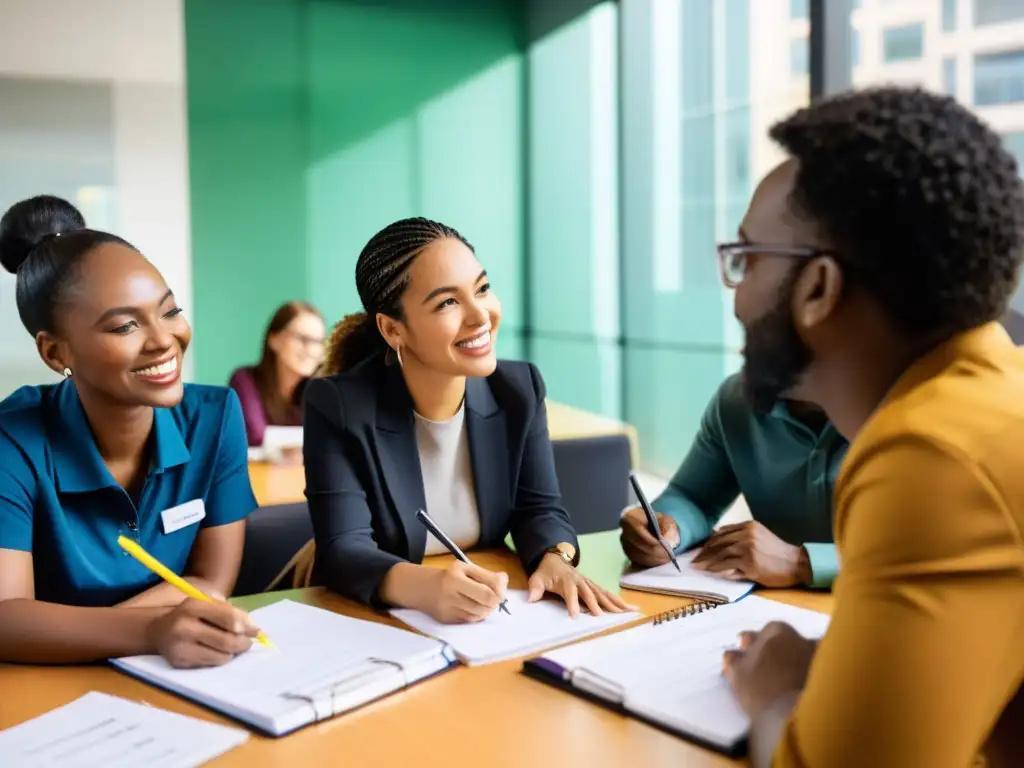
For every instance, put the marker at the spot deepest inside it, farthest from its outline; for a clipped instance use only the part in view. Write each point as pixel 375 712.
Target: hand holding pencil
pixel 201 631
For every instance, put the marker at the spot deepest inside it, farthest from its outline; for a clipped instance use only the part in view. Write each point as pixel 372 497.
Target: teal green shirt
pixel 785 470
pixel 59 501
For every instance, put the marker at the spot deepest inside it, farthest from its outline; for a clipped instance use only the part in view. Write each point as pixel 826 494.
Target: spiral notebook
pixel 690 582
pixel 324 664
pixel 668 672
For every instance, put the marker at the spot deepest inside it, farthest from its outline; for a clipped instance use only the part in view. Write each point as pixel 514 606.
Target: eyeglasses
pixel 307 341
pixel 733 258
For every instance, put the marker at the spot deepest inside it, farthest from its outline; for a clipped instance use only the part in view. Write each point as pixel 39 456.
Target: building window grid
pixel 954 75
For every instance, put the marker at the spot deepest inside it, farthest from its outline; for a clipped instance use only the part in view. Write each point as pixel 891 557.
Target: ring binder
pixel 330 692
pixel 687 610
pixel 390 663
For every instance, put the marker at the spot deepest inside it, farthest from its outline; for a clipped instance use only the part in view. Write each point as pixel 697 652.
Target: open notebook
pixel 690 583
pixel 324 664
pixel 528 628
pixel 668 672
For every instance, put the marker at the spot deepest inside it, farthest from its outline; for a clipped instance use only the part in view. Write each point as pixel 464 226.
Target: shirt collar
pixel 781 411
pixel 987 346
pixel 77 462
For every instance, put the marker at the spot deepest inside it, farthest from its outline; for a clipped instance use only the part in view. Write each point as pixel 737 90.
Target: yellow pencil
pixel 165 573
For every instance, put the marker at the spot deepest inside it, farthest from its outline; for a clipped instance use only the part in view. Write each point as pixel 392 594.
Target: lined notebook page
pixel 103 731
pixel 666 579
pixel 315 651
pixel 672 672
pixel 530 627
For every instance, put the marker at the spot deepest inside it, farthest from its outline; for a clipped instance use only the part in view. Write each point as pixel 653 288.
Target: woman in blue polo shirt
pixel 120 447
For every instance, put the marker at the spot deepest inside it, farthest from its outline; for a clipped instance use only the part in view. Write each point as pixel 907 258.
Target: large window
pixel 572 226
pixel 702 83
pixel 904 43
pixel 997 11
pixel 999 78
pixel 627 315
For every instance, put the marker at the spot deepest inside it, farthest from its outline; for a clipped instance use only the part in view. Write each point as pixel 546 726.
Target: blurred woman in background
pixel 270 391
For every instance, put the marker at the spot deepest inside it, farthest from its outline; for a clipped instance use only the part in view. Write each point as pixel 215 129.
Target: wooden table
pixel 286 484
pixel 277 483
pixel 482 716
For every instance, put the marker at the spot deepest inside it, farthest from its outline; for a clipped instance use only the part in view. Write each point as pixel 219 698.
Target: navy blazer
pixel 364 483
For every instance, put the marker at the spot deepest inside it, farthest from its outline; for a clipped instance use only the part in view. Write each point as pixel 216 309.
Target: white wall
pixel 92 107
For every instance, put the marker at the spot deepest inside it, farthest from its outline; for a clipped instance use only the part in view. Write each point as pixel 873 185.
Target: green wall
pixel 247 158
pixel 314 123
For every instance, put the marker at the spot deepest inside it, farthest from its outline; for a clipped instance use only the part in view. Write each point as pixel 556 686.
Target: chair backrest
pixel 593 474
pixel 274 537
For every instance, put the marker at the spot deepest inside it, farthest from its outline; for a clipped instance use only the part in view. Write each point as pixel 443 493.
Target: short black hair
pixel 42 241
pixel 921 200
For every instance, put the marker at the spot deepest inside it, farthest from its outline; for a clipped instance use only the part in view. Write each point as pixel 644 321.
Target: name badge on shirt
pixel 183 515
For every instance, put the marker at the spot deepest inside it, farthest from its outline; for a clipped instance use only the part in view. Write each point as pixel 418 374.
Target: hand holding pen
pixel 202 631
pixel 639 538
pixel 468 592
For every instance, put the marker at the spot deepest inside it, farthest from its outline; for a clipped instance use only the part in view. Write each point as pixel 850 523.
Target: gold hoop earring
pixel 398 354
pixel 67 373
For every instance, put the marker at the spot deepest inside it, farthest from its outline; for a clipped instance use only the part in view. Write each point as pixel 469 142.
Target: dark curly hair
pixel 923 203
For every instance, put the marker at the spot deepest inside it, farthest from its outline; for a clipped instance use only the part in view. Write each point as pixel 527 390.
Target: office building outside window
pixel 970 49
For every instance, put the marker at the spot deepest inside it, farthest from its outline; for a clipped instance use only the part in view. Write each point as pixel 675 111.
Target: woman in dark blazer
pixel 416 413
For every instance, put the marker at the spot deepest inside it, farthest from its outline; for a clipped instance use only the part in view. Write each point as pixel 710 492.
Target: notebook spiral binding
pixel 686 610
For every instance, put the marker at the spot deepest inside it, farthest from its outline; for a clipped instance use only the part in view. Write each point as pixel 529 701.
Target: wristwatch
pixel 565 551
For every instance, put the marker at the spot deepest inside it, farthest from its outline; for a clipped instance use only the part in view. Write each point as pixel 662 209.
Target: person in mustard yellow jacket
pixel 873 265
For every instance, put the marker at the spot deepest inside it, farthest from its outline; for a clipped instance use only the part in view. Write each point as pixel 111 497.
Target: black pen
pixel 450 545
pixel 652 521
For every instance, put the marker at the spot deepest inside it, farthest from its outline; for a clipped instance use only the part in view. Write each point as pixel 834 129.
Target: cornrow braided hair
pixel 382 275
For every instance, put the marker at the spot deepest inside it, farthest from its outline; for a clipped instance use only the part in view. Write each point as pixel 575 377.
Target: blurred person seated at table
pixel 119 447
pixel 271 390
pixel 416 413
pixel 784 462
pixel 875 263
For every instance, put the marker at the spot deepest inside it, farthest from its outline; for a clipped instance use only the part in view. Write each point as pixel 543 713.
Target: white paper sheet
pixel 531 627
pixel 103 731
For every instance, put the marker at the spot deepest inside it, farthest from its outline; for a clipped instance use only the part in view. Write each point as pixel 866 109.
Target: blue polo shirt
pixel 59 501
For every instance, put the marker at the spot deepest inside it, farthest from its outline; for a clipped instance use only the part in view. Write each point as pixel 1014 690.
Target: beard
pixel 774 357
